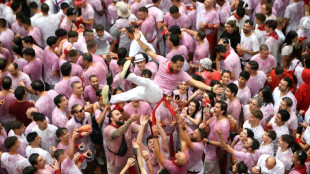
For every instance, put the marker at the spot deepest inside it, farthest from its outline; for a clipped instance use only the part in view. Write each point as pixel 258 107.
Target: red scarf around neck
pixel 168 68
pixel 116 126
pixel 237 17
pixel 301 169
pixel 226 54
pixel 274 35
pixel 261 28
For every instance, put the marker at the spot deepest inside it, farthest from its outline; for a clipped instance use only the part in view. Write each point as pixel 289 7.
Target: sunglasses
pixel 81 110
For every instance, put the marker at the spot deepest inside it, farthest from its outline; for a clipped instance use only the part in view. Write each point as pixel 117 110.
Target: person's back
pixel 45 103
pixel 64 86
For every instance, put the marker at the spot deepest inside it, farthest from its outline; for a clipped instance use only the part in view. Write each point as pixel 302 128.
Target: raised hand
pixel 135 144
pixel 134 117
pixel 131 162
pixel 144 119
pixel 137 34
pixel 155 130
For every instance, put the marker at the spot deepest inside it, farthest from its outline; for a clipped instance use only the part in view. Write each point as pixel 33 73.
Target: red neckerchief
pixel 237 17
pixel 116 126
pixel 261 28
pixel 274 35
pixel 226 54
pixel 302 38
pixel 8 4
pixel 308 159
pixel 301 169
pixel 168 68
pixel 173 162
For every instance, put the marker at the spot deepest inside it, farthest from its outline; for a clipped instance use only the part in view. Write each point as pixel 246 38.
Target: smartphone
pixel 177 97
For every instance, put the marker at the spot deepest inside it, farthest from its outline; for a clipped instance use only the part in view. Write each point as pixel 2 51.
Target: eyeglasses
pixel 81 110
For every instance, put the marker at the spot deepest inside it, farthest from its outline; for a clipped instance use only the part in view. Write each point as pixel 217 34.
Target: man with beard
pixel 117 136
pixel 284 90
pixel 90 90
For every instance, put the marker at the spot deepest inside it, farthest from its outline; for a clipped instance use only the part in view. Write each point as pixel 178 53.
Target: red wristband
pixel 58 171
pixel 297 140
pixel 82 158
pixel 81 20
pixel 77 145
pixel 66 52
pixel 164 32
pixel 80 135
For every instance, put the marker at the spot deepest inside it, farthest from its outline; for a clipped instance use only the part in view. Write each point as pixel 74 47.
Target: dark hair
pixel 19 92
pixel 149 138
pixel 72 34
pixel 130 29
pixel 203 133
pixel 28 39
pixel 255 144
pixel 226 71
pixel 263 47
pixel 37 116
pixel 272 134
pixel 240 12
pixel 143 9
pixel 87 57
pixel 175 29
pixel 64 5
pixel 248 21
pixel 121 53
pixel 174 9
pixel 163 171
pixel 307 61
pixel 18 41
pixel 249 132
pixel 289 37
pixel 6 82
pixel 197 107
pixel 14 64
pixel 57 99
pixel 73 109
pixel 3 22
pixel 33 158
pixel 18 50
pixel 220 49
pixel 10 142
pixel 301 156
pixel 284 115
pixel 233 88
pixel 15 5
pixel 3 63
pixel 223 106
pixel 20 15
pixel 245 75
pixel 267 94
pixel 51 40
pixel 289 139
pixel 99 27
pixel 29 170
pixel 177 58
pixel 201 34
pixel 268 8
pixel 197 77
pixel 16 124
pixel 241 167
pixel 146 72
pixel 45 8
pixel 60 131
pixel 289 81
pixel 254 65
pixel 58 152
pixel 117 89
pixel 174 39
pixel 257 114
pixel 87 31
pixel 296 53
pixel 261 17
pixel 146 57
pixel 288 101
pixel 66 68
pixel 72 53
pixel 60 33
pixel 37 85
pixel 279 70
pixel 33 5
pixel 121 62
pixel 155 1
pixel 272 24
pixel 91 44
pixel 31 136
pixel 29 52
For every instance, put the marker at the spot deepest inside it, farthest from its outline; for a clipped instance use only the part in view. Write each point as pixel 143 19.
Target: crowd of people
pixel 154 86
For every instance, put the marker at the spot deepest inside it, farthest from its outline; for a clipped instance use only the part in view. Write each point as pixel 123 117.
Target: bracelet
pixel 208 142
pixel 82 158
pixel 297 140
pixel 80 135
pixel 155 136
pixel 211 89
pixel 184 128
pixel 77 145
pixel 146 159
pixel 58 171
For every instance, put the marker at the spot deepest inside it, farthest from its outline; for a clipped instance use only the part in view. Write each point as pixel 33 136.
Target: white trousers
pixel 146 90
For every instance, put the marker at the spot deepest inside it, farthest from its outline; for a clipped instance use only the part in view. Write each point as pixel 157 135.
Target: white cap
pixel 139 58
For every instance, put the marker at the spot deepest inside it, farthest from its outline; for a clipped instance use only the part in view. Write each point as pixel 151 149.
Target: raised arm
pixel 143 123
pixel 139 156
pixel 224 144
pixel 183 133
pixel 121 130
pixel 144 47
pixel 102 114
pixel 72 144
pixel 191 32
pixel 216 89
pixel 159 155
pixel 164 138
pixel 130 162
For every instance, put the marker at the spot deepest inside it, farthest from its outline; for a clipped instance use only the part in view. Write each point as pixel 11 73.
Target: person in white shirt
pixel 35 141
pixel 272 39
pixel 253 123
pixel 292 123
pixel 269 165
pixel 284 152
pixel 239 17
pixel 104 41
pixel 267 146
pixel 278 123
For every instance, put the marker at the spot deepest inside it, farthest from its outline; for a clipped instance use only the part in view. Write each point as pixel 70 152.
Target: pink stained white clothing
pixel 260 33
pixel 155 12
pixel 249 43
pixel 112 14
pixel 173 168
pixel 5 116
pixel 273 45
pixel 280 6
pixel 39 52
pixel 150 66
pixel 143 109
pixel 190 124
pixel 2 138
pixel 136 5
pixel 99 70
pixel 114 144
pixel 50 64
pixel 59 118
pixel 250 159
pixel 47 156
pixel 297 73
pixel 231 63
pixel 258 10
pixel 207 17
pixel 21 62
pixel 103 43
pixel 267 149
pixel 66 24
pixel 255 83
pixel 193 16
pixel 239 23
pixel 98 6
pixel 23 77
pixel 48 136
pixel 6 39
pixel 223 126
pixel 294 15
pixel 36 35
pixel 23 143
pixel 278 168
pixel 14 164
pixel 162 113
pixel 68 167
pixel 293 64
pixel 238 144
pixel 148 28
pixel 234 108
pixel 6 53
pixel 265 65
pixel 244 95
pixel 34 69
pixel 201 51
pixel 268 111
pixel 277 98
pixel 19 29
pixel 258 131
pixel 182 50
pixel 87 14
pixel 122 83
pixel 47 170
pixel 90 93
pixel 183 21
pixel 224 12
pixel 280 130
pixel 96 59
pixel 42 105
pixel 285 157
pixel 64 86
pixel 73 100
pixel 76 70
pixel 48 25
pixel 114 67
pixel 64 147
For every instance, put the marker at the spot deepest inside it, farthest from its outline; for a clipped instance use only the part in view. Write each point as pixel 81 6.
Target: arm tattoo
pixel 146 49
pixel 121 130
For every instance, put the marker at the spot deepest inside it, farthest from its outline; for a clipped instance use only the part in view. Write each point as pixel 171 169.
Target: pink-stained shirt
pixel 267 111
pixel 260 34
pixel 150 66
pixel 250 159
pixel 193 15
pixel 90 93
pixel 168 82
pixel 211 17
pixel 234 108
pixel 183 21
pixel 112 14
pixel 195 163
pixel 201 52
pixel 36 35
pixel 64 86
pixel 64 147
pixel 103 43
pixel 277 98
pixel 163 113
pixel 59 118
pixel 267 149
pixel 122 83
pixel 50 64
pixel 68 167
pixel 42 105
pixel 172 168
pixel 285 157
pixel 257 82
pixel 143 109
pixel 238 144
pixel 23 76
pixel 249 43
pixel 223 126
pixel 48 25
pixel 244 95
pixel 76 70
pixel 21 62
pixel 6 53
pixel 265 65
pixel 19 29
pixel 232 64
pixel 297 73
pixel 258 10
pixel 96 59
pixel 23 143
pixel 47 156
pixel 73 100
pixel 294 15
pixel 39 52
pixel 190 124
pixel 34 69
pixel 182 50
pixel 136 5
pixel 148 27
pixel 114 144
pixel 98 70
pixel 239 23
pixel 48 136
pixel 14 164
pixel 188 41
pixel 273 45
pixel 5 116
pixel 114 67
pixel 66 24
pixel 280 6
pixel 155 12
pixel 224 12
pixel 280 130
pixel 47 170
pixel 6 38
pixel 87 14
pixel 258 131
pixel 2 138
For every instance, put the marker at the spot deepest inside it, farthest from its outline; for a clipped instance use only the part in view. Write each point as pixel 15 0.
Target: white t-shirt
pixel 14 164
pixel 277 99
pixel 258 131
pixel 135 47
pixel 249 43
pixel 287 50
pixel 48 136
pixel 43 153
pixel 277 169
pixel 285 157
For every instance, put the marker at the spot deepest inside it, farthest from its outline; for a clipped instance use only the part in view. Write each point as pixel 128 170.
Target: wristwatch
pixel 156 136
